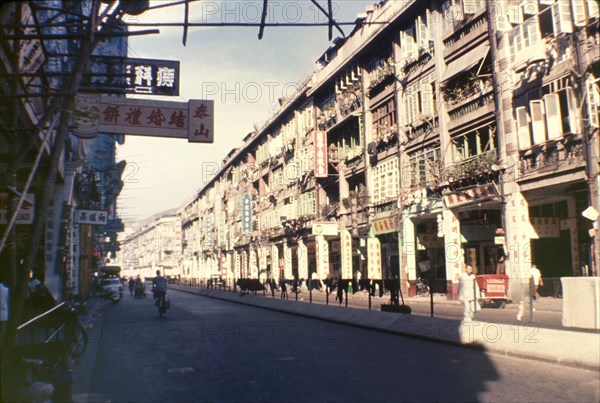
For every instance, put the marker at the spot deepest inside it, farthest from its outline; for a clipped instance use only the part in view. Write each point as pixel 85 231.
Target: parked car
pixel 111 286
pixel 215 281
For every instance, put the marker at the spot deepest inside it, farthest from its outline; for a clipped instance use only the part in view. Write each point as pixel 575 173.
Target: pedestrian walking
pixel 131 285
pixel 468 292
pixel 283 286
pixel 536 280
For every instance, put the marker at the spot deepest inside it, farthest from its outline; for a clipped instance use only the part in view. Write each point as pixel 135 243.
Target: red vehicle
pixel 494 289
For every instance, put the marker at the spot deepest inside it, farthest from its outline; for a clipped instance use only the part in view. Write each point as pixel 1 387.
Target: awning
pixel 467 61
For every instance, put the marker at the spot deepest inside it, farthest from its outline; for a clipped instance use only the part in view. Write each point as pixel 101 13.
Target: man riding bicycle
pixel 159 287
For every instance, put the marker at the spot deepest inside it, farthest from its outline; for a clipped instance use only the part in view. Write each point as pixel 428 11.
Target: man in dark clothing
pixel 159 287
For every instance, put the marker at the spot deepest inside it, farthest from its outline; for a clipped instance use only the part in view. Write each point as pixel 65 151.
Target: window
pixel 386 183
pixel 419 98
pixel 474 143
pixel 422 167
pixel 452 14
pixel 407 44
pixel 384 119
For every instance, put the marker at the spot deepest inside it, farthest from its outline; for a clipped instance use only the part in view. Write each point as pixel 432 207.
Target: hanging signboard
pixel 95 114
pixel 122 75
pixel 25 213
pixel 385 225
pixel 320 153
pixel 247 213
pixel 470 196
pixel 346 245
pixel 93 217
pixel 287 258
pixel 275 262
pixel 325 228
pixel 374 259
pixel 302 260
pixel 322 256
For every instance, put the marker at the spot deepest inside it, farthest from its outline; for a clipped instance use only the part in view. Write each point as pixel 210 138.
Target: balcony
pixel 470 107
pixel 471 167
pixel 553 156
pixel 470 32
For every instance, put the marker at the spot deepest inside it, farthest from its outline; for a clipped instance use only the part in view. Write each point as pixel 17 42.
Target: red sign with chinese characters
pixel 193 120
pixel 468 196
pixel 321 160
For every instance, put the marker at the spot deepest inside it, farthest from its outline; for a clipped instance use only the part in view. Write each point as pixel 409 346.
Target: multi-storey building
pixel 155 246
pixel 436 134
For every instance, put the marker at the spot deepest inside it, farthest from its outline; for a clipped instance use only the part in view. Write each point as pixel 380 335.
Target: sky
pixel 244 76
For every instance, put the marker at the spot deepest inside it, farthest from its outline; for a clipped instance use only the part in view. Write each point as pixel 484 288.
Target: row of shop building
pixel 436 134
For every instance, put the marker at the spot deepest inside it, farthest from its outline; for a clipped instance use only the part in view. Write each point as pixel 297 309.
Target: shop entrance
pixel 553 255
pixel 485 257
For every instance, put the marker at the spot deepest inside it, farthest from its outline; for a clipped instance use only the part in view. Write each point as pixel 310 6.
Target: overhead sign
pixel 325 228
pixel 24 215
pixel 95 114
pixel 385 225
pixel 122 75
pixel 590 213
pixel 320 153
pixel 93 217
pixel 470 196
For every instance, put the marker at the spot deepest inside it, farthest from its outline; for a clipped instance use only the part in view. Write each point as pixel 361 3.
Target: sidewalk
pixel 572 348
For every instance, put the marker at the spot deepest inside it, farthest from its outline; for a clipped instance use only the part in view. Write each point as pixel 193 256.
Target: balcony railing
pixel 471 167
pixel 562 154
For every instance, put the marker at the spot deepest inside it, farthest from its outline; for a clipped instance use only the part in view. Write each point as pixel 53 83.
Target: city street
pixel 211 350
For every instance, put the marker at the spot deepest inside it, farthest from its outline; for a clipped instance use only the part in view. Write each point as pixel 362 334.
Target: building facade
pixel 436 134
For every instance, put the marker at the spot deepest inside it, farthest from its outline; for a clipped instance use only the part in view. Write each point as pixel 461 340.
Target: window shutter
pixel 538 123
pixel 578 12
pixel 407 43
pixel 553 116
pixel 573 110
pixel 523 128
pixel 561 17
pixel 592 8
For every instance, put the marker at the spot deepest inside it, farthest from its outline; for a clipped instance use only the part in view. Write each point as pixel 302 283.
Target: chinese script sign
pixel 193 120
pixel 121 75
pixel 374 259
pixel 247 213
pixel 346 246
pixel 320 143
pixel 94 217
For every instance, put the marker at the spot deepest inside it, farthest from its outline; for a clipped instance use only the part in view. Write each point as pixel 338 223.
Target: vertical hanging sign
pixel 246 213
pixel 374 256
pixel 320 153
pixel 322 255
pixel 302 260
pixel 346 244
pixel 275 262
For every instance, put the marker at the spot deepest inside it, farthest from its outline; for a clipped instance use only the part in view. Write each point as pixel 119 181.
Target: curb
pixel 574 349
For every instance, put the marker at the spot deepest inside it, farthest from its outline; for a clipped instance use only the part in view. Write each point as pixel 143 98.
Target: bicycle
pixel 162 303
pixel 67 329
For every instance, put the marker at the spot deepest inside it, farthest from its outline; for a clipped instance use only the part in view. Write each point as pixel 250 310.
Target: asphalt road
pixel 212 350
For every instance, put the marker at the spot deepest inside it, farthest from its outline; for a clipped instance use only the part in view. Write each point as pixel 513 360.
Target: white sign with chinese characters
pixel 193 120
pixel 322 256
pixel 346 245
pixel 93 217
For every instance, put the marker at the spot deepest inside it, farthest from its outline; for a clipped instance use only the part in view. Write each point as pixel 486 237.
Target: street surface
pixel 212 350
